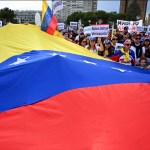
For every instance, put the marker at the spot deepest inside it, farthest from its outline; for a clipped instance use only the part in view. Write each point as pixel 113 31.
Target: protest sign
pixel 118 46
pixel 87 30
pixel 132 25
pixel 100 30
pixel 61 26
pixel 73 25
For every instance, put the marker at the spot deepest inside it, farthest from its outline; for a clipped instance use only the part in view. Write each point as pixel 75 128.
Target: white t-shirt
pixel 93 50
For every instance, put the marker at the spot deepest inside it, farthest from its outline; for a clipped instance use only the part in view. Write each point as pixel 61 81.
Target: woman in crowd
pixel 126 55
pixel 147 49
pixel 113 42
pixel 93 47
pixel 107 52
pixel 82 41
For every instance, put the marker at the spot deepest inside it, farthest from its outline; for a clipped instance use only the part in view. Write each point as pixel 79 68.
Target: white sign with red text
pixel 132 25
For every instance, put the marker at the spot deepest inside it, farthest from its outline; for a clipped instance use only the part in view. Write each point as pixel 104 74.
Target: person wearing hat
pixel 126 55
pixel 137 47
pixel 126 29
pixel 93 47
pixel 147 49
pixel 107 49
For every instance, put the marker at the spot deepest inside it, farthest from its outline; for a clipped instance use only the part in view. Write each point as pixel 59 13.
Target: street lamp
pixel 100 21
pixel 89 22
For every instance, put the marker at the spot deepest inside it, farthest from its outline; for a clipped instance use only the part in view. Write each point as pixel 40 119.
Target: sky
pixel 106 5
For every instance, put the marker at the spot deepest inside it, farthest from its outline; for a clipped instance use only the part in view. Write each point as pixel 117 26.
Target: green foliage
pixel 7 15
pixel 104 16
pixel 89 18
pixel 133 11
pixel 95 17
pixel 76 16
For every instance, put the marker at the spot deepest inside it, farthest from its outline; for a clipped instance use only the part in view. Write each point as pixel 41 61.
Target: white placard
pixel 1 23
pixel 118 46
pixel 87 30
pixel 61 26
pixel 132 25
pixel 73 25
pixel 100 30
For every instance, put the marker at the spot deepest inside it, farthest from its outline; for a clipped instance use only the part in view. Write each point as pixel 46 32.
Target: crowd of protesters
pixel 135 50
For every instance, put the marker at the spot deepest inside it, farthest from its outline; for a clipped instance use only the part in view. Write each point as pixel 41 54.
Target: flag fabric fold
pixel 55 95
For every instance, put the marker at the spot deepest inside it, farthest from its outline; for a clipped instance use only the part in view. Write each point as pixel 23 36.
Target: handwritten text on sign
pixel 100 30
pixel 132 25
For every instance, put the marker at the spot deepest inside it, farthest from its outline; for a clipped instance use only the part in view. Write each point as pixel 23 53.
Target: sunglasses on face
pixel 83 41
pixel 128 44
pixel 115 39
pixel 137 38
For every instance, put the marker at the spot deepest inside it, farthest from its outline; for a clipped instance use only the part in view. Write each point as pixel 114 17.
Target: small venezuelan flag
pixel 49 21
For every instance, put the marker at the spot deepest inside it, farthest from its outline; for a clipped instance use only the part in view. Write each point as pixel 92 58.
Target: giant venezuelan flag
pixel 55 95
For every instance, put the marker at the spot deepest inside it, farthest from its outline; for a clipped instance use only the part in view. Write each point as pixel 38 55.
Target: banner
pixel 61 26
pixel 100 30
pixel 57 5
pixel 132 25
pixel 1 23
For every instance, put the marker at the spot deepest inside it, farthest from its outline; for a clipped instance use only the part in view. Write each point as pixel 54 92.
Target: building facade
pixel 27 16
pixel 124 4
pixel 70 7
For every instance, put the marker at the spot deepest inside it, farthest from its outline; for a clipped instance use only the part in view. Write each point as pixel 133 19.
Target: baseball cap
pixel 147 39
pixel 92 39
pixel 128 41
pixel 142 40
pixel 126 28
pixel 136 34
pixel 107 42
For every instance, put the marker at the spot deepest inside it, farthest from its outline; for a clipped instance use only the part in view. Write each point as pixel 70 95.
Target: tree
pixel 102 15
pixel 133 11
pixel 76 16
pixel 7 15
pixel 89 18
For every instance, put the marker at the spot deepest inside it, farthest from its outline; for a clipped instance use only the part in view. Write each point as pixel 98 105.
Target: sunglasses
pixel 115 39
pixel 83 41
pixel 128 44
pixel 137 38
